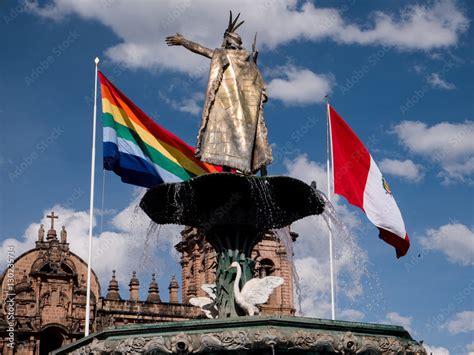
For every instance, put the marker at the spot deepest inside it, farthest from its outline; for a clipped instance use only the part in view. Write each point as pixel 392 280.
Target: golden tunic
pixel 233 131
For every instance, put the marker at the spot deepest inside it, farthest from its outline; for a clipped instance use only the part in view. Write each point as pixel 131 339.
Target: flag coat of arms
pixel 357 177
pixel 139 150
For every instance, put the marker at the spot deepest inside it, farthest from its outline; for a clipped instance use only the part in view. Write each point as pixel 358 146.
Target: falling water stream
pixel 263 196
pixel 341 235
pixel 177 203
pixel 135 226
pixel 284 235
pixel 152 236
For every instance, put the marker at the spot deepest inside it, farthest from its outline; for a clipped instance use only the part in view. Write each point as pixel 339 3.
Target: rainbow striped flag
pixel 138 150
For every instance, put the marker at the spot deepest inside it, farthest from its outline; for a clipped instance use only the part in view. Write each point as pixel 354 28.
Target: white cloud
pixel 143 25
pixel 402 168
pixel 451 145
pixel 439 83
pixel 312 253
pixel 462 322
pixel 129 244
pixel 298 86
pixel 419 27
pixel 456 241
pixel 436 350
pixel 190 105
pixel 397 319
pixel 418 68
pixel 470 348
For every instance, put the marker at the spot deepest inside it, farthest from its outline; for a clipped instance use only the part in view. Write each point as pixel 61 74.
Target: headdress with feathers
pixel 230 34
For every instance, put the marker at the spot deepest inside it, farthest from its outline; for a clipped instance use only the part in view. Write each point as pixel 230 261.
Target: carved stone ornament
pixel 96 347
pixel 55 256
pixel 233 340
pixel 348 343
pixel 131 345
pixel 270 337
pixel 315 341
pixel 99 347
pixel 414 347
pixel 384 344
pixel 181 343
pixel 254 339
pixel 156 345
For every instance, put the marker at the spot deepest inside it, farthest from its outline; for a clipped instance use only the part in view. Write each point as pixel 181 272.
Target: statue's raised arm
pixel 179 40
pixel 233 132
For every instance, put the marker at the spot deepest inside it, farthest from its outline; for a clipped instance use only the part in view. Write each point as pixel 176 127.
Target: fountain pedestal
pixel 249 335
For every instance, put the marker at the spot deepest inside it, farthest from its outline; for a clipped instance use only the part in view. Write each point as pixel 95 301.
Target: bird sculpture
pixel 255 291
pixel 207 304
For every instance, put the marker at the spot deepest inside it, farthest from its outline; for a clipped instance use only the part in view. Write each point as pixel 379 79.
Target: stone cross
pixel 52 216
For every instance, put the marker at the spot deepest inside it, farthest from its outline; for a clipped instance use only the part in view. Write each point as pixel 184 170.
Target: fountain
pixel 233 210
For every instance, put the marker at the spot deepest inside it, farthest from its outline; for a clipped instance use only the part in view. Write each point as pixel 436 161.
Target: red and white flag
pixel 359 180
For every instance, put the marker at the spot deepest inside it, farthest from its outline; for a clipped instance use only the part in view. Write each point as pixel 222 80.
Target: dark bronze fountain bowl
pixel 228 199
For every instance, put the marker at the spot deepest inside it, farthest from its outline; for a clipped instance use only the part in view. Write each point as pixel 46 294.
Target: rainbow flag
pixel 138 150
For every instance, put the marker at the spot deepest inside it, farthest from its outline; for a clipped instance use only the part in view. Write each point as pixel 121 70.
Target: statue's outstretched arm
pixel 179 40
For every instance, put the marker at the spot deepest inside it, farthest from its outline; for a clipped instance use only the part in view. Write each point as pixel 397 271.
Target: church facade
pixel 43 291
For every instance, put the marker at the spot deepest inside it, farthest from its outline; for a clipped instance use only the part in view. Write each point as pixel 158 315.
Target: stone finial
pixel 113 289
pixel 41 233
pixel 134 287
pixel 51 232
pixel 153 293
pixel 63 235
pixel 173 287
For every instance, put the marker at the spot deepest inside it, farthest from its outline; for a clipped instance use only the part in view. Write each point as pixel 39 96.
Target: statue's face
pixel 231 43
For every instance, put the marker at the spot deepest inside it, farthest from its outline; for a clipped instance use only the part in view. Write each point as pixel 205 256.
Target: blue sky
pixel 399 74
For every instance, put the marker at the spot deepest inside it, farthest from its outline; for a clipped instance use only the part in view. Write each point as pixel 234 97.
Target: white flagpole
pixel 91 205
pixel 328 168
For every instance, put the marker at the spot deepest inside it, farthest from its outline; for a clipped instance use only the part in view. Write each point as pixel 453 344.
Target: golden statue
pixel 233 132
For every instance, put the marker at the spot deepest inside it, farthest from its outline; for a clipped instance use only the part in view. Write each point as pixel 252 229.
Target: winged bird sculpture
pixel 207 304
pixel 255 291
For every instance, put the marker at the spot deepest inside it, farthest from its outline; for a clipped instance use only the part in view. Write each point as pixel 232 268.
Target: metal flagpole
pixel 328 168
pixel 91 206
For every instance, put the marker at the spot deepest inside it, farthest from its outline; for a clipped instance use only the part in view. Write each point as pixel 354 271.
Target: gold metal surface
pixel 233 131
